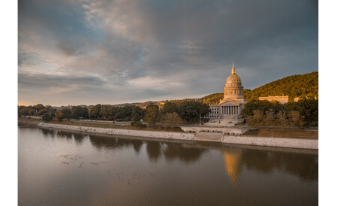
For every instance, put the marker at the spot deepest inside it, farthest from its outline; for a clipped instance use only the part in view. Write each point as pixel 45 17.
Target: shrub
pixel 47 117
pixel 137 124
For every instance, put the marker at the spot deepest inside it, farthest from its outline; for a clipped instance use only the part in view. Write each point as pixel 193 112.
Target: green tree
pixel 252 105
pixel 94 112
pixel 137 114
pixel 48 116
pixel 79 112
pixel 169 107
pixel 191 110
pixel 309 110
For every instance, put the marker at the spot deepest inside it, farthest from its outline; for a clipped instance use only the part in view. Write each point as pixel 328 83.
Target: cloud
pixel 163 46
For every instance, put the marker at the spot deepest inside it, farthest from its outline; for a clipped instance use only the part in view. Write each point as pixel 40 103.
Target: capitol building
pixel 233 102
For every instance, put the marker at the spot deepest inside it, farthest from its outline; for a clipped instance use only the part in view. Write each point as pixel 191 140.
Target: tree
pixel 42 111
pixel 137 114
pixel 296 120
pixel 169 107
pixel 59 116
pixel 31 111
pixel 47 117
pixel 171 118
pixel 152 114
pixel 78 111
pixel 191 110
pixel 282 118
pixel 38 107
pixel 23 110
pixel 67 113
pixel 252 105
pixel 309 109
pixel 257 118
pixel 95 111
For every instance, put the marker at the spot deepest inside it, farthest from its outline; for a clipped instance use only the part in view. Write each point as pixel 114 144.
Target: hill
pixel 293 86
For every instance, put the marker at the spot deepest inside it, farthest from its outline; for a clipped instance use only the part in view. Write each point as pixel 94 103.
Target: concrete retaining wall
pixel 272 142
pixel 203 136
pixel 127 132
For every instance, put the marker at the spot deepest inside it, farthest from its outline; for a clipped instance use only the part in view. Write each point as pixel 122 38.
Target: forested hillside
pixel 292 86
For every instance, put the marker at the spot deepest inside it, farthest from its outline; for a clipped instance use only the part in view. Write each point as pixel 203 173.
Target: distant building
pixel 280 99
pixel 297 98
pixel 231 105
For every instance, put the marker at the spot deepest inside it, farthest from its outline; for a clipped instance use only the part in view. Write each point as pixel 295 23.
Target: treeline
pixel 296 114
pixel 170 113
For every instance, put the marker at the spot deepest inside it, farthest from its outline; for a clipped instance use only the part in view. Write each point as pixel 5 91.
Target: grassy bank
pixel 296 134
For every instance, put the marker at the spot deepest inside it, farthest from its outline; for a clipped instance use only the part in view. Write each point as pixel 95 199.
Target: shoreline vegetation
pixel 302 139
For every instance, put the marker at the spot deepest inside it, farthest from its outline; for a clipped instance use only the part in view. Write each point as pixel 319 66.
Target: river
pixel 63 168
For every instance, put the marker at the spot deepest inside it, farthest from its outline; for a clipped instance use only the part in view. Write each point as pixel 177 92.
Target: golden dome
pixel 233 78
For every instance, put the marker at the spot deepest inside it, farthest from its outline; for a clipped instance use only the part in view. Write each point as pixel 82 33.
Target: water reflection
pixel 232 161
pixel 100 142
pixel 153 150
pixel 63 134
pixel 85 171
pixel 185 154
pixel 48 133
pixel 78 138
pixel 304 166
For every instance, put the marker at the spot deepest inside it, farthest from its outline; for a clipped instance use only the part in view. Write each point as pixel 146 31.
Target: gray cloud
pixel 116 44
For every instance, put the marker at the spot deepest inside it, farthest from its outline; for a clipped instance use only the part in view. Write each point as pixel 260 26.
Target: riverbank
pixel 180 136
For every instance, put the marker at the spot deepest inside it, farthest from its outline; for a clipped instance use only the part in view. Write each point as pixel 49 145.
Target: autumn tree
pixel 42 111
pixel 171 118
pixel 296 120
pixel 31 112
pixel 256 119
pixel 66 113
pixel 152 114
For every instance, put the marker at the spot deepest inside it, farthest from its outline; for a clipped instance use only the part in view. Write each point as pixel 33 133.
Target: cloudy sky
pixel 115 51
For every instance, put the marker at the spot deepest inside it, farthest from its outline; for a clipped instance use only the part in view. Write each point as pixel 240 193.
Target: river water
pixel 62 168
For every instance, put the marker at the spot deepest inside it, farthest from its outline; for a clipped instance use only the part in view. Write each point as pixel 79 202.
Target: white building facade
pixel 231 105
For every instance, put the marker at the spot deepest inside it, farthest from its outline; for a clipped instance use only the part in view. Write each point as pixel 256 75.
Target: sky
pixel 73 52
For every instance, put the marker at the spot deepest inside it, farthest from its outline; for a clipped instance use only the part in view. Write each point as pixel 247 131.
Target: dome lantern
pixel 233 68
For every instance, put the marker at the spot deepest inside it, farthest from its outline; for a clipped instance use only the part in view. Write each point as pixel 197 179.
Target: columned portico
pixel 230 110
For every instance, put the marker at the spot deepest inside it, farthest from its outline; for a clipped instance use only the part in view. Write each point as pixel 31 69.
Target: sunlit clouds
pixel 89 52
